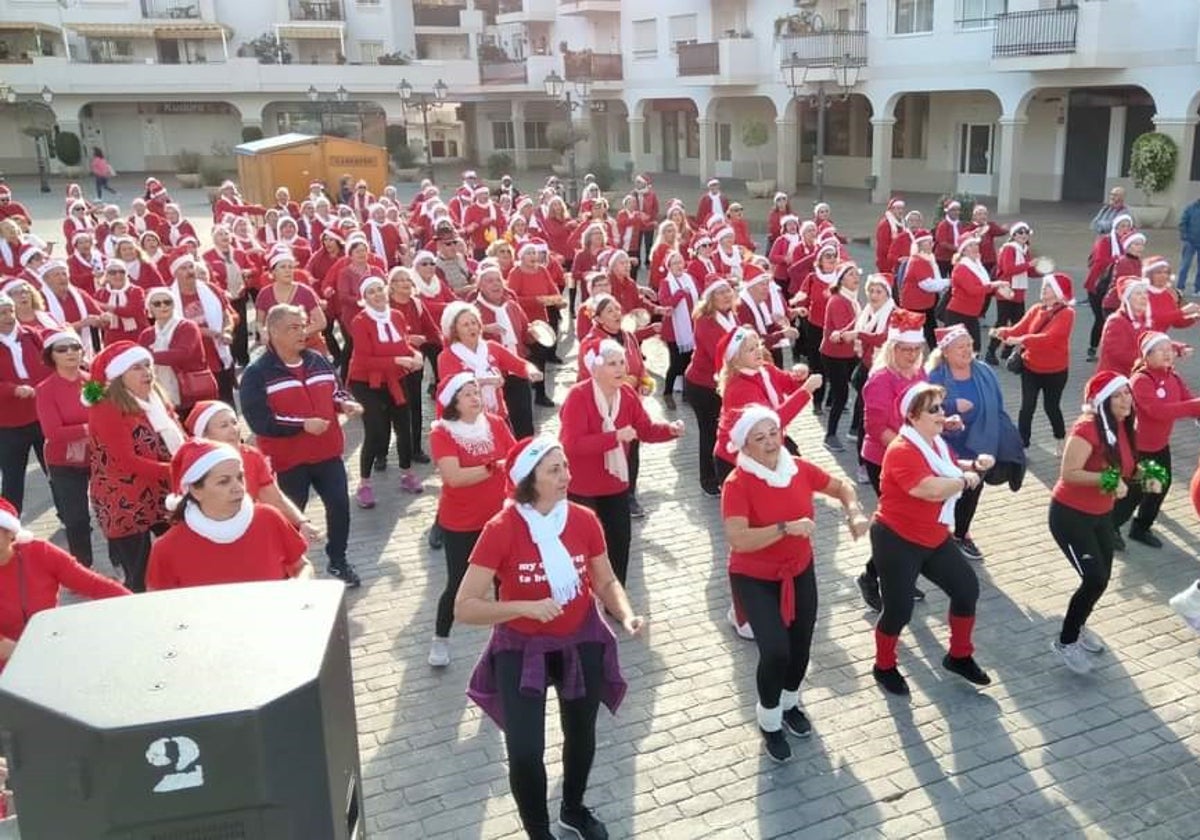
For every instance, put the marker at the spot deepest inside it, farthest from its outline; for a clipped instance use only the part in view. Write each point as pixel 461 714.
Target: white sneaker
pixel 743 630
pixel 439 652
pixel 1089 641
pixel 1073 656
pixel 860 475
pixel 1187 604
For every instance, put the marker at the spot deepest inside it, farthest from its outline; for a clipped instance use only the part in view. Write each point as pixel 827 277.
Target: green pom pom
pixel 1110 480
pixel 1153 471
pixel 93 392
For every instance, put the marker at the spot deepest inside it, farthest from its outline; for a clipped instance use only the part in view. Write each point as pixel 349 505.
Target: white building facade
pixel 1037 99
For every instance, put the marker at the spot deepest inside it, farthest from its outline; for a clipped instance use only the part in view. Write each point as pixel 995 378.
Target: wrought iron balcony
pixel 1042 32
pixel 824 49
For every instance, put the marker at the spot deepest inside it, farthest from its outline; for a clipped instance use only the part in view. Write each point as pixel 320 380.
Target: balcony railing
pixel 511 72
pixel 699 59
pixel 1044 32
pixel 599 67
pixel 439 14
pixel 171 9
pixel 317 10
pixel 824 49
pixel 510 7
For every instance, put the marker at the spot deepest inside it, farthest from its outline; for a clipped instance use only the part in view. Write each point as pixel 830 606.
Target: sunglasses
pixel 68 348
pixel 936 408
pixel 158 303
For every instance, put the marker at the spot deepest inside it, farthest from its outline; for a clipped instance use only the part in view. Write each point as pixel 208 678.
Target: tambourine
pixel 1043 265
pixel 542 333
pixel 634 320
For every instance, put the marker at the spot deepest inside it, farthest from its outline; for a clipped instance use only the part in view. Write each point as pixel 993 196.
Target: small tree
pixel 498 165
pixel 1152 163
pixel 187 162
pixel 754 136
pixel 250 133
pixel 267 49
pixel 68 149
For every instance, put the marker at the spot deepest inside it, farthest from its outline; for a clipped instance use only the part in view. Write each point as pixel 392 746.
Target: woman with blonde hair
pixel 712 320
pixel 30 306
pixel 666 241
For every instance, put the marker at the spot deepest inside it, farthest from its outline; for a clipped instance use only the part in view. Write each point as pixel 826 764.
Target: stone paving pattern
pixel 1040 753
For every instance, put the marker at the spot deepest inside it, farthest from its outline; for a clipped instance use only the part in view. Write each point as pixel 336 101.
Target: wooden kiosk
pixel 295 160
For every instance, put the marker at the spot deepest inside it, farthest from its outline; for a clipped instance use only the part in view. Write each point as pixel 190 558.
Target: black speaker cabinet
pixel 212 713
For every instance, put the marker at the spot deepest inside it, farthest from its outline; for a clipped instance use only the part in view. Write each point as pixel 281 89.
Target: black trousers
pixel 972 325
pixel 613 512
pixel 812 335
pixel 783 650
pixel 900 561
pixel 328 479
pixel 874 472
pixel 16 442
pixel 1008 312
pixel 964 510
pixel 331 342
pixel 381 417
pixel 412 392
pixel 540 356
pixel 678 364
pixel 131 554
pixel 458 546
pixel 347 350
pixel 930 326
pixel 227 387
pixel 858 378
pixel 518 397
pixel 1096 303
pixel 1051 387
pixel 69 488
pixel 1087 541
pixel 240 347
pixel 1146 504
pixel 706 405
pixel 837 373
pixel 525 733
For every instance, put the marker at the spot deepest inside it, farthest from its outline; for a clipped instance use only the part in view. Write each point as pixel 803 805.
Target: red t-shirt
pixel 257 469
pixel 916 520
pixel 506 548
pixel 267 551
pixel 1090 498
pixel 468 509
pixel 749 496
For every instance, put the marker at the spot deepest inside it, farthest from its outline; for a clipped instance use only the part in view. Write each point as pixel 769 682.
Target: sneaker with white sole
pixel 439 652
pixel 1089 641
pixel 1187 604
pixel 743 630
pixel 860 475
pixel 1073 656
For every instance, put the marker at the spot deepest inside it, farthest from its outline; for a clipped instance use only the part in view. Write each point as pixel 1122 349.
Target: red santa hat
pixel 195 459
pixel 202 414
pixel 730 343
pixel 1129 284
pixel 153 183
pixel 713 182
pixel 844 268
pixel 449 387
pixel 748 418
pixel 49 266
pixel 701 241
pixel 10 520
pixel 910 395
pixel 156 293
pixel 643 178
pixel 919 235
pixel 966 240
pixel 527 245
pixel 523 202
pixel 116 359
pixel 896 203
pixel 29 255
pixel 829 245
pixel 1020 227
pixel 1150 340
pixel 780 196
pixel 451 313
pixel 1097 391
pixel 334 235
pixel 906 327
pixel 718 284
pixel 1062 286
pixel 63 336
pixel 1132 238
pixel 1153 264
pixel 482 190
pixel 951 204
pixel 5 300
pixel 469 174
pixel 488 266
pixel 355 239
pixel 179 260
pixel 367 282
pixel 723 233
pixel 789 219
pixel 948 335
pixel 526 454
pixel 148 234
pixel 279 254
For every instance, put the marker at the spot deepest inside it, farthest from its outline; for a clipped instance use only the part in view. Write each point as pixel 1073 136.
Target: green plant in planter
pixel 606 176
pixel 499 164
pixel 1152 163
pixel 68 148
pixel 250 133
pixel 966 199
pixel 755 136
pixel 403 156
pixel 561 137
pixel 211 175
pixel 187 161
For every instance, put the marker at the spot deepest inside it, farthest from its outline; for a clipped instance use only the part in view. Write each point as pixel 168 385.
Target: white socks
pixel 769 720
pixel 789 699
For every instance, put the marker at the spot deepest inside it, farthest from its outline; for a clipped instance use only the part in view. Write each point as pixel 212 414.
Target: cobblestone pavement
pixel 1040 753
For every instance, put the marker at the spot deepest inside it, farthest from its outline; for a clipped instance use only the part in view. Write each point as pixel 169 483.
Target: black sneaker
pixel 635 508
pixel 711 490
pixel 968 548
pixel 891 681
pixel 420 457
pixel 796 722
pixel 991 359
pixel 818 411
pixel 381 465
pixel 833 444
pixel 776 744
pixel 435 536
pixel 543 401
pixel 967 668
pixel 669 401
pixel 580 822
pixel 1145 536
pixel 1091 354
pixel 345 573
pixel 869 588
pixel 1118 540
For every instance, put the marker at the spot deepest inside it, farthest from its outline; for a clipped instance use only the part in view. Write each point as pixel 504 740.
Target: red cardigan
pixel 743 388
pixel 1119 344
pixel 1047 334
pixel 372 361
pixel 20 411
pixel 839 315
pixel 1161 397
pixel 968 294
pixel 665 298
pixel 184 353
pixel 63 418
pixel 131 471
pixel 134 310
pixel 912 296
pixel 528 286
pixel 705 365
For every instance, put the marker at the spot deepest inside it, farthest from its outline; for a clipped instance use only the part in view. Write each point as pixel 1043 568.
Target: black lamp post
pixel 797 76
pixel 325 102
pixel 556 89
pixel 11 97
pixel 425 103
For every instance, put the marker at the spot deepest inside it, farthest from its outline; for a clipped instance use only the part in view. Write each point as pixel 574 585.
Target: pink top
pixel 881 409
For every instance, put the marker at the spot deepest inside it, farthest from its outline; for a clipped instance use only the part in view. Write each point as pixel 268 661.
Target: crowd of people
pixel 136 355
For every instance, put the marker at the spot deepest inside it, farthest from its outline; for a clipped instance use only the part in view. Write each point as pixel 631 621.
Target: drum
pixel 542 333
pixel 634 320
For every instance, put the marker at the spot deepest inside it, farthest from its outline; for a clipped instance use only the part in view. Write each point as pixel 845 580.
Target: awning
pixel 30 26
pixel 174 29
pixel 310 32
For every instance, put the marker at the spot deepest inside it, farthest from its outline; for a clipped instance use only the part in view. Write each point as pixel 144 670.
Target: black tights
pixel 458 546
pixel 1087 540
pixel 1051 387
pixel 69 488
pixel 613 512
pixel 901 561
pixel 525 733
pixel 873 474
pixel 1096 302
pixel 783 651
pixel 837 374
pixel 412 393
pixel 964 509
pixel 706 403
pixel 679 362
pixel 381 417
pixel 812 335
pixel 1008 312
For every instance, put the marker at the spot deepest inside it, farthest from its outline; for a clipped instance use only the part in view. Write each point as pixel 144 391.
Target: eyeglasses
pixel 68 348
pixel 936 408
pixel 158 303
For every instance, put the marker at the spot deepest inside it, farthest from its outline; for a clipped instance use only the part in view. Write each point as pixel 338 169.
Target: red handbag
pixel 196 385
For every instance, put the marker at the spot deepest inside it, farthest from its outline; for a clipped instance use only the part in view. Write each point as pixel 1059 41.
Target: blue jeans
pixel 1185 266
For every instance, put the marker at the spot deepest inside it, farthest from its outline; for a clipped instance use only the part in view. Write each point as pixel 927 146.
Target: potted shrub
pixel 212 176
pixel 69 152
pixel 404 162
pixel 1152 167
pixel 187 169
pixel 251 133
pixel 499 164
pixel 755 136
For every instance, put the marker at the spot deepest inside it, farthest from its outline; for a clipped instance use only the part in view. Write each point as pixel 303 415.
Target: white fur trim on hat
pixel 1123 217
pixel 1132 238
pixel 368 282
pixel 953 334
pixel 453 385
pixel 206 416
pixel 914 391
pixel 761 277
pixel 595 357
pixel 905 336
pixel 488 267
pixel 28 256
pixel 451 312
pixel 280 255
pixel 58 337
pixel 157 292
pixel 180 261
pixel 201 467
pixel 750 417
pixel 736 340
pixel 790 217
pixel 120 364
pixel 1133 286
pixel 5 300
pixel 81 234
pixel 713 182
pixel 528 246
pixel 1152 339
pixel 722 233
pixel 423 255
pixel 528 459
pixel 11 523
pixel 1057 288
pixel 878 280
pixel 1114 385
pixel 1155 265
pixel 714 287
pixel 1018 227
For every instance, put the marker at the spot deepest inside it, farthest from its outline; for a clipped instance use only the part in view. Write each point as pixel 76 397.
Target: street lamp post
pixel 425 103
pixel 556 89
pixel 797 76
pixel 325 101
pixel 9 95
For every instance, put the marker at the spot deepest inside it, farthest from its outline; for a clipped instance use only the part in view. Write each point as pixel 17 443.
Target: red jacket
pixel 150 276
pixel 1123 266
pixel 82 273
pixel 671 300
pixel 741 234
pixel 174 234
pixel 912 296
pixel 1120 344
pixel 1161 397
pixel 648 207
pixel 839 315
pixel 775 221
pixel 223 206
pixel 704 209
pixel 635 362
pixel 344 279
pixel 705 366
pixel 1011 262
pixel 1101 258
pixel 780 257
pixel 503 361
pixel 968 291
pixel 1047 345
pixel 131 316
pixel 251 265
pixel 389 235
pixel 558 235
pixel 744 388
pixel 419 321
pixel 373 361
pixel 477 221
pixel 528 286
pixel 63 417
pixel 900 249
pixel 185 353
pixel 945 238
pixel 20 411
pixel 883 244
pixel 151 221
pixel 629 230
pixel 987 241
pixel 518 319
pixel 817 299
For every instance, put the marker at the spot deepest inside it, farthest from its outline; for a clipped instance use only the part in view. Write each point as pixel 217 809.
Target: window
pixel 622 134
pixel 647 137
pixel 692 124
pixel 535 135
pixel 109 50
pixel 681 29
pixel 366 2
pixel 369 51
pixel 503 136
pixel 724 141
pixel 980 14
pixel 913 17
pixel 975 150
pixel 843 20
pixel 645 38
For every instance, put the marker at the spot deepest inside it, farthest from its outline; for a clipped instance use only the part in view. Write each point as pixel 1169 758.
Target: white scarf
pixel 377 240
pixel 175 232
pixel 480 363
pixel 1018 281
pixel 94 263
pixel 133 269
pixel 56 309
pixel 853 298
pixel 235 281
pixel 431 289
pixel 13 342
pixel 733 259
pixel 165 374
pixel 509 333
pixel 6 253
pixel 223 531
pixel 475 437
pixel 780 477
pixel 874 321
pixel 768 386
pixel 977 269
pixel 893 223
pixel 718 207
pixel 793 239
pixel 726 320
pixel 214 316
pixel 940 461
pixel 557 565
pixel 385 330
pixel 681 315
pixel 120 298
pixel 615 461
pixel 162 423
pixel 761 315
pixel 138 222
pixel 826 279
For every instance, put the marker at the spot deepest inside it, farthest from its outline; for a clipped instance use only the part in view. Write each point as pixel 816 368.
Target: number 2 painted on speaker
pixel 187 773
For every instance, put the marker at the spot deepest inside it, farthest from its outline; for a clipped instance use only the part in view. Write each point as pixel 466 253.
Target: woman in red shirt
pixel 178 350
pixel 871 331
pixel 713 320
pixel 426 336
pixel 549 558
pixel 63 418
pixel 1106 250
pixel 1014 266
pixel 286 283
pixel 31 574
pixel 380 358
pixel 124 303
pixel 540 300
pixel 767 508
pixel 1161 397
pixel 218 534
pixel 837 348
pixel 813 296
pixel 600 419
pixel 1043 338
pixel 970 285
pixel 1124 328
pixel 1098 466
pixel 469 446
pixel 919 485
pixel 21 369
pixel 592 242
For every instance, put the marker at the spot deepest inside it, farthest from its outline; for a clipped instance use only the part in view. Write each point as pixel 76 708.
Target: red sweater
pixel 1047 334
pixel 1102 257
pixel 968 291
pixel 912 296
pixel 63 418
pixel 1161 397
pixel 839 315
pixel 705 365
pixel 504 362
pixel 528 286
pixel 418 321
pixel 746 387
pixel 373 361
pixel 20 411
pixel 817 299
pixel 184 353
pixel 585 441
pixel 131 471
pixel 1120 344
pixel 1090 498
pixel 681 297
pixel 945 238
pixel 883 244
pixel 131 317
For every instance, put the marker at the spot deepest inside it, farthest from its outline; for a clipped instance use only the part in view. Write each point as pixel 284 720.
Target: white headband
pixel 736 340
pixel 126 359
pixel 750 417
pixel 453 385
pixel 911 394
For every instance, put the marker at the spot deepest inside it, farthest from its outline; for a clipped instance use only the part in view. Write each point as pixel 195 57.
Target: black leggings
pixel 679 362
pixel 837 372
pixel 964 510
pixel 971 323
pixel 1051 387
pixel 525 733
pixel 874 472
pixel 811 335
pixel 518 398
pixel 381 417
pixel 69 488
pixel 1087 540
pixel 1096 302
pixel 930 326
pixel 1147 504
pixel 131 554
pixel 240 346
pixel 613 512
pixel 16 442
pixel 706 404
pixel 458 546
pixel 900 561
pixel 1008 312
pixel 783 651
pixel 412 393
